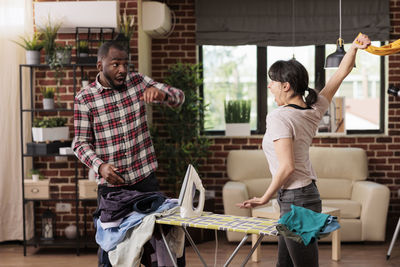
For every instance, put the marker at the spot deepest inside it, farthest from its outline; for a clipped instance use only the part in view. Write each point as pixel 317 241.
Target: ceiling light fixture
pixel 334 59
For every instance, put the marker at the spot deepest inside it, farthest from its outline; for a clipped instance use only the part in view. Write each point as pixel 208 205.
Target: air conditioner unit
pixel 156 19
pixel 77 14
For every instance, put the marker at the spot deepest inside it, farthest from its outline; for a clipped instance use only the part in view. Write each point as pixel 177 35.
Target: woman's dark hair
pixel 296 75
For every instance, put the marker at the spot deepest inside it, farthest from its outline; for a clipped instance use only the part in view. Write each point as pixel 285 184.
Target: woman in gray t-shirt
pixel 290 130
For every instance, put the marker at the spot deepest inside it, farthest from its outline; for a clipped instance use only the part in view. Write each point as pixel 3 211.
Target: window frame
pixel 262 93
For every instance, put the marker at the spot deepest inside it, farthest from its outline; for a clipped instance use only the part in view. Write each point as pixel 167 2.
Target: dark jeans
pixel 149 184
pixel 291 253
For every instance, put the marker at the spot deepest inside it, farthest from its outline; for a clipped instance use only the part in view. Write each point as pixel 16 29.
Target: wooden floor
pixel 353 255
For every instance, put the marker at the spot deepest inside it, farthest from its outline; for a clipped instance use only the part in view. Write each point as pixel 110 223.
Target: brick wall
pixel 383 150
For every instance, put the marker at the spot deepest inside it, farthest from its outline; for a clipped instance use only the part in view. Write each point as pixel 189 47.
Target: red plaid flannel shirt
pixel 111 127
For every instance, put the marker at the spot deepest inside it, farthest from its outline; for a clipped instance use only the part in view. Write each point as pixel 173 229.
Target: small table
pixel 271 213
pixel 248 225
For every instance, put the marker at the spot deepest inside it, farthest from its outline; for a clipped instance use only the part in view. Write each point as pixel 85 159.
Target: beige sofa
pixel 342 174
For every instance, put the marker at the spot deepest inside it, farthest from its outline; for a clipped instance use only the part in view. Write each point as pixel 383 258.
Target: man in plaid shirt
pixel 111 131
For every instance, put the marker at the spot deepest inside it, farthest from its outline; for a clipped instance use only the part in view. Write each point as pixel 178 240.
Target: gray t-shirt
pixel 300 125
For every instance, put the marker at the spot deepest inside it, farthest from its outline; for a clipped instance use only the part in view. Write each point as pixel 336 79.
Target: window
pixel 240 72
pixel 230 73
pixel 361 91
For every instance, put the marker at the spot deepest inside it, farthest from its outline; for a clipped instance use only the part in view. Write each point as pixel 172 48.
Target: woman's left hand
pixel 251 203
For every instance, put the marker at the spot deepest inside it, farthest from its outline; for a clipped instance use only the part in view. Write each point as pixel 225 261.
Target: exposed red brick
pixel 238 141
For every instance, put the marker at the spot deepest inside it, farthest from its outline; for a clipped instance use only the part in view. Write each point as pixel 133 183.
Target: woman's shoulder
pixel 322 104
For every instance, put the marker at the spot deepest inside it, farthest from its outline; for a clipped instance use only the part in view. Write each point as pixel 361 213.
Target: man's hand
pixel 108 172
pixel 153 94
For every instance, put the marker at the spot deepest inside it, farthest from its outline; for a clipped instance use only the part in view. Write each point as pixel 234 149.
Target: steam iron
pixel 191 183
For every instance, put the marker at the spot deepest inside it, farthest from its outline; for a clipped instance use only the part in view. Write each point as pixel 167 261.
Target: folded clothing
pixel 118 204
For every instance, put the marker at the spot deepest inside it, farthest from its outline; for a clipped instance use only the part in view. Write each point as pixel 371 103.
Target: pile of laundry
pixel 304 225
pixel 126 222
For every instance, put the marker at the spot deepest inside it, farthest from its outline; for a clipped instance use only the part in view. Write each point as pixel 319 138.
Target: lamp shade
pixel 334 59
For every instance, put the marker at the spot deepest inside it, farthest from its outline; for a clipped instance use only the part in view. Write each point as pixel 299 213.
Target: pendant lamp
pixel 293 29
pixel 334 59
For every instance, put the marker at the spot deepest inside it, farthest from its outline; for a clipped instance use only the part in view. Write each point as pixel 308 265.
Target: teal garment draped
pixel 304 222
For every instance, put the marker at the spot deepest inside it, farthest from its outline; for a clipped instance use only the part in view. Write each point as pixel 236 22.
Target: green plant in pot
pixel 49 35
pixel 83 48
pixel 49 129
pixel 48 97
pixel 36 175
pixel 178 141
pixel 63 54
pixel 126 27
pixel 32 45
pixel 237 117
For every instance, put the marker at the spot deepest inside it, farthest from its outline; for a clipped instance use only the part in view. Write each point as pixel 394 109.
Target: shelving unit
pixel 79 242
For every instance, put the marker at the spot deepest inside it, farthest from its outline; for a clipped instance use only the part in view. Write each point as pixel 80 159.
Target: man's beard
pixel 111 83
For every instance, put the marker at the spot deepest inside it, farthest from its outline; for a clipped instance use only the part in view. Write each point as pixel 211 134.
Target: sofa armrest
pixel 374 200
pixel 232 193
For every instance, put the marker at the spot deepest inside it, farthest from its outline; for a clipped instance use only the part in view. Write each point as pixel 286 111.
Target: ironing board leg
pixel 252 250
pixel 396 232
pixel 194 246
pixel 167 246
pixel 236 250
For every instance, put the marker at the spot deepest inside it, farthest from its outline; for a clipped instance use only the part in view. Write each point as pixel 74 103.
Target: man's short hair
pixel 105 47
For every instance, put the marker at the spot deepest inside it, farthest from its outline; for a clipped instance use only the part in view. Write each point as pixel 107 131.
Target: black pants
pixel 290 252
pixel 149 184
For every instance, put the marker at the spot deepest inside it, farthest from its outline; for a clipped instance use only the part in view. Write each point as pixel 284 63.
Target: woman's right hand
pixel 362 41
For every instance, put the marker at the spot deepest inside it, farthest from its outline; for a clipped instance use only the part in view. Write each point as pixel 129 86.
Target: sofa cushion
pixel 257 187
pixel 331 188
pixel 347 163
pixel 247 164
pixel 349 209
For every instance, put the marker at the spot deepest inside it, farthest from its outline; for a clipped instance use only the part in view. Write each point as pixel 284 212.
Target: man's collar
pixel 100 87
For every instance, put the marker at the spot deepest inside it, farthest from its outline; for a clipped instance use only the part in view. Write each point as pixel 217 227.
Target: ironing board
pixel 242 224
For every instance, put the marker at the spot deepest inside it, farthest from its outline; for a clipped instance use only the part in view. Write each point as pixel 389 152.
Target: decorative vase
pixel 32 57
pixel 64 57
pixel 70 232
pixel 48 103
pixel 85 83
pixel 35 177
pixel 50 134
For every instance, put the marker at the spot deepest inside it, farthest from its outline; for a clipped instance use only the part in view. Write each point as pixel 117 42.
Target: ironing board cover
pixel 231 223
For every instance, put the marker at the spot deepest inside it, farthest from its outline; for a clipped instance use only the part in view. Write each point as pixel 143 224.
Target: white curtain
pixel 15 20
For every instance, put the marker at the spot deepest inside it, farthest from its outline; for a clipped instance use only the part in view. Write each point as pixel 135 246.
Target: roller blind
pixel 269 22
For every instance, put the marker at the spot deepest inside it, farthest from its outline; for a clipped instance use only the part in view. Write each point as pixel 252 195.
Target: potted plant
pixel 36 175
pixel 181 142
pixel 63 54
pixel 32 46
pixel 49 129
pixel 237 117
pixel 85 80
pixel 83 48
pixel 126 25
pixel 49 34
pixel 48 97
